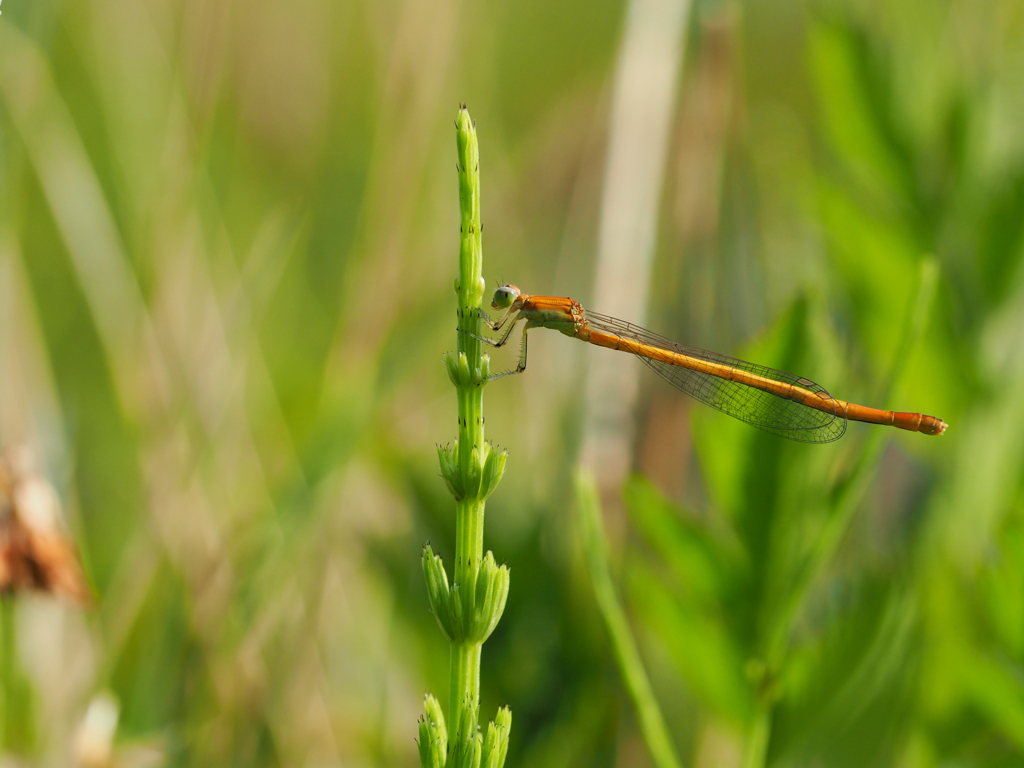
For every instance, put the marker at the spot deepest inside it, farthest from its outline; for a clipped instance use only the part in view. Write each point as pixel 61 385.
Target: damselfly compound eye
pixel 504 296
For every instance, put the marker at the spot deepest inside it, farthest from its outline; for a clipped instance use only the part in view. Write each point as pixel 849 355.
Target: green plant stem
pixel 469 521
pixel 465 677
pixel 464 687
pixel 631 667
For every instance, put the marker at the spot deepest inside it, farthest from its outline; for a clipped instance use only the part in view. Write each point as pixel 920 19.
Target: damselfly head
pixel 504 296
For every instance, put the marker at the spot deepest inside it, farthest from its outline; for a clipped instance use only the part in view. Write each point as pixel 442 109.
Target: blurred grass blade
pixel 850 491
pixel 755 749
pixel 595 546
pixel 76 198
pixel 701 642
pixel 994 686
pixel 706 567
pixel 917 319
pixel 859 129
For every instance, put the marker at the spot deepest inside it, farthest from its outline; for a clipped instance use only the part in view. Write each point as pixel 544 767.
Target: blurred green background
pixel 228 234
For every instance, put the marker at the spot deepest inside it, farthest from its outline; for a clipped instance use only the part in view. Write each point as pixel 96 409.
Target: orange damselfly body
pixel 789 406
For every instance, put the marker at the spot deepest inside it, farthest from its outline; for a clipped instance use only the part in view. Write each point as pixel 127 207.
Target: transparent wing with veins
pixel 757 407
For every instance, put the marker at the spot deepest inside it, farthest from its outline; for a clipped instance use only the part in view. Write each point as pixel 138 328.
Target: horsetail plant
pixel 468 610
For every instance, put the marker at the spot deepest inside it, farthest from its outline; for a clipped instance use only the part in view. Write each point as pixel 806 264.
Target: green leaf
pixel 700 642
pixel 855 113
pixel 706 567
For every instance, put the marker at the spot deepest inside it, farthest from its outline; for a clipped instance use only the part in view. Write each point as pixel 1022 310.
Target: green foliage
pixel 486 468
pixel 226 244
pixel 466 612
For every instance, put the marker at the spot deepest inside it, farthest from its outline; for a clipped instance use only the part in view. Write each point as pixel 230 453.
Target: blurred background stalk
pixel 634 676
